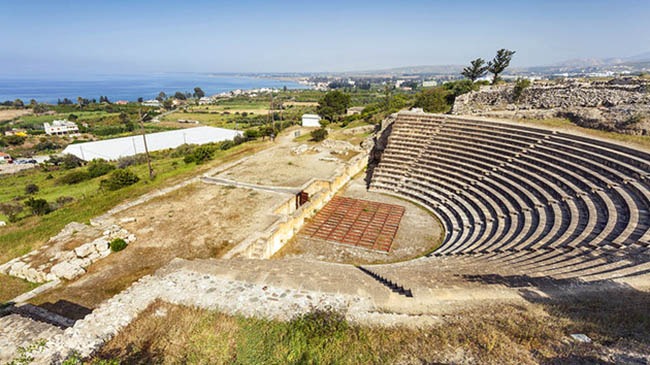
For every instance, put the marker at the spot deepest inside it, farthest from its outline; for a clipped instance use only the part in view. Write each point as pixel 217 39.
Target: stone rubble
pixel 68 264
pixel 601 105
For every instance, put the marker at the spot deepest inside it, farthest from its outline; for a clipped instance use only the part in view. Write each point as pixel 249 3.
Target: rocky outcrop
pixel 620 105
pixel 64 264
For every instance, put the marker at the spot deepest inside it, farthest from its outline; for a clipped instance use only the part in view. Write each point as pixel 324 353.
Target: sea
pixel 129 87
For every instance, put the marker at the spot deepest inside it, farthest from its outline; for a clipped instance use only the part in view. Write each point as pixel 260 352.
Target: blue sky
pixel 49 37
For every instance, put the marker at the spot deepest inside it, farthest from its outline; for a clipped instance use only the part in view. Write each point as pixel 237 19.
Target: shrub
pixel 520 86
pixel 251 133
pixel 318 134
pixel 434 100
pixel 118 244
pixel 71 161
pixel 127 161
pixel 46 146
pixel 31 189
pixel 200 154
pixel 99 167
pixel 74 177
pixel 38 206
pixel 15 140
pixel 119 179
pixel 11 210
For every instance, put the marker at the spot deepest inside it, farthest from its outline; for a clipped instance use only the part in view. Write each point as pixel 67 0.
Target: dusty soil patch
pixel 279 167
pixel 198 221
pixel 9 114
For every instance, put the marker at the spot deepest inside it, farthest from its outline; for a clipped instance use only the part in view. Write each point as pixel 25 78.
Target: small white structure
pixel 205 100
pixel 60 127
pixel 152 102
pixel 429 83
pixel 311 120
pixel 113 149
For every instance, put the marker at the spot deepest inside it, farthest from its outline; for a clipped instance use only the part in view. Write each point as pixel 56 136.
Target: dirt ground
pixel 9 114
pixel 419 233
pixel 198 221
pixel 277 166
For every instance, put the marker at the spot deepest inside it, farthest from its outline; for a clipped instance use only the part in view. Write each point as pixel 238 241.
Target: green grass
pixel 31 232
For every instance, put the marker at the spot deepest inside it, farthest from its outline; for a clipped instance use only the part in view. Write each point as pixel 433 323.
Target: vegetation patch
pixel 118 244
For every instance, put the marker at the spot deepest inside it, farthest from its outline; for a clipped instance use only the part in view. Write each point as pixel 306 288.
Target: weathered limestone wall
pixel 263 245
pixel 611 105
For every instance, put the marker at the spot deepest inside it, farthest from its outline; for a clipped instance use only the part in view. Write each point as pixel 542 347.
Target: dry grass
pixel 9 114
pixel 12 287
pixel 642 142
pixel 497 333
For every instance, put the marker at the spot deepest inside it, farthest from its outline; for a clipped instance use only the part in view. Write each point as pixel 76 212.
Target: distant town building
pixel 311 120
pixel 152 102
pixel 355 110
pixel 60 127
pixel 121 102
pixel 5 158
pixel 205 100
pixel 429 83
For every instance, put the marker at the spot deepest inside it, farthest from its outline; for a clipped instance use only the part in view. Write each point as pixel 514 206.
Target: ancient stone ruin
pixel 620 105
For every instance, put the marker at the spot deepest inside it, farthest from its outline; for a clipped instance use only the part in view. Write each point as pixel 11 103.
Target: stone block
pixel 85 250
pixel 67 270
pixel 101 244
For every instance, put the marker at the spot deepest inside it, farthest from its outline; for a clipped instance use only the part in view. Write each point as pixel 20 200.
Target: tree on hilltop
pixel 477 69
pixel 500 62
pixel 161 96
pixel 198 93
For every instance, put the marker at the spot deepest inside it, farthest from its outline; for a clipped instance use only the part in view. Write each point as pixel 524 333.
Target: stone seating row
pixel 503 188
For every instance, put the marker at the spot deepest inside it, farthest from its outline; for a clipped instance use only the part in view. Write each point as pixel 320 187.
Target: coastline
pixel 131 87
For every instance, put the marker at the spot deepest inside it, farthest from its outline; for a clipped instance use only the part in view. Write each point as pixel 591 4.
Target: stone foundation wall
pixel 262 245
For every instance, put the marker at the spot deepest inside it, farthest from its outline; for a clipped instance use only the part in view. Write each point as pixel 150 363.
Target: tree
pixel 19 103
pixel 161 96
pixel 119 178
pixel 140 99
pixel 31 189
pixel 128 124
pixel 319 134
pixel 179 95
pixel 38 206
pixel 198 93
pixel 520 86
pixel 434 100
pixel 500 62
pixel 333 104
pixel 476 69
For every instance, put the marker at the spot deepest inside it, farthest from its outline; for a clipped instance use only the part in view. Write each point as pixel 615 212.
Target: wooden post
pixel 144 138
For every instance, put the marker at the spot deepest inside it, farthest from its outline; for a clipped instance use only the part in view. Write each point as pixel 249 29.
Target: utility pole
pixel 144 138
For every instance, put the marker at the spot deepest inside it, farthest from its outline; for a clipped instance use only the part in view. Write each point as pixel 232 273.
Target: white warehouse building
pixel 113 149
pixel 311 120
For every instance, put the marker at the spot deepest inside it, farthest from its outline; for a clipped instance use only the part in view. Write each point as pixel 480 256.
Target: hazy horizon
pixel 110 38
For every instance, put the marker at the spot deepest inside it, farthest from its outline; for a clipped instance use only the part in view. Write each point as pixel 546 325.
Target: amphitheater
pixel 527 213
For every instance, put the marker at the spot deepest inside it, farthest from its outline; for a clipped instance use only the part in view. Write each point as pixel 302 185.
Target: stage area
pixel 356 222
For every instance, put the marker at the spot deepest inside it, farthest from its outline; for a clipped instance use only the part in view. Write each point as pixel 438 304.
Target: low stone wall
pixel 187 287
pixel 262 245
